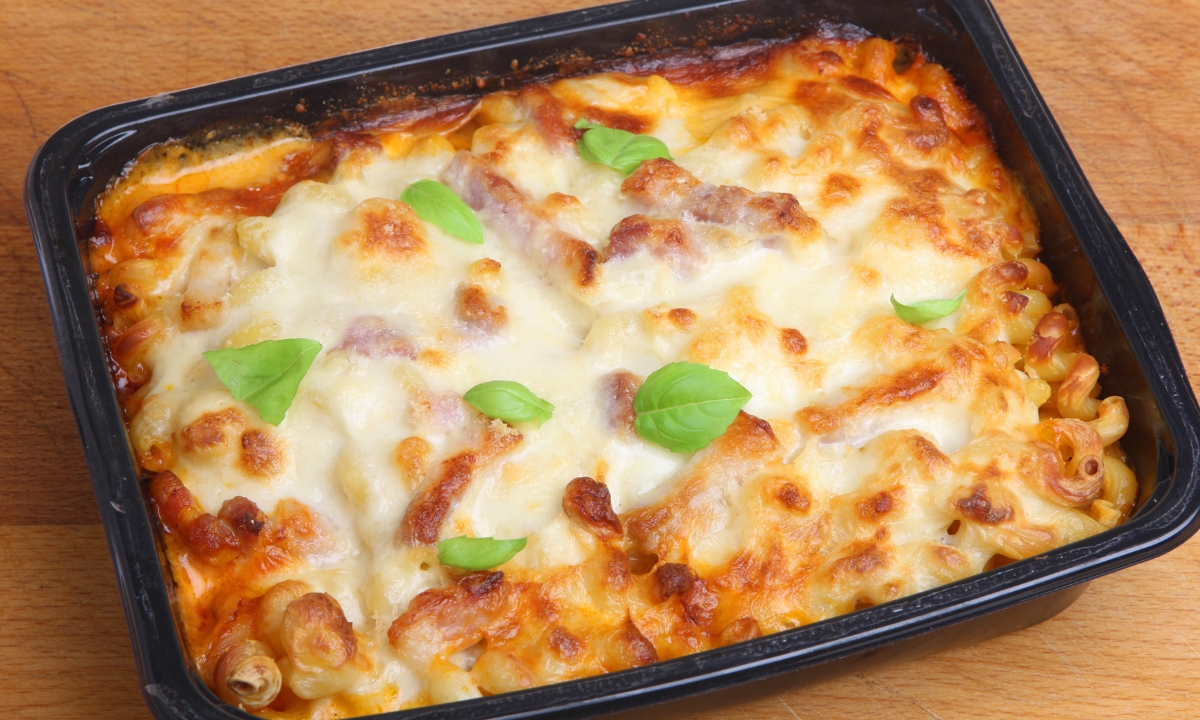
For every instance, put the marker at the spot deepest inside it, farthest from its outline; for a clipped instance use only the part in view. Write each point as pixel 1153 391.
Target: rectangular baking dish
pixel 1121 318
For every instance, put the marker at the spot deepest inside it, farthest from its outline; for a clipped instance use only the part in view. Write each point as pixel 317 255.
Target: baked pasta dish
pixel 586 374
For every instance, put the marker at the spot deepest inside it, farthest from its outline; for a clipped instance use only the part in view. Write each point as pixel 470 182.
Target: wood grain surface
pixel 1121 79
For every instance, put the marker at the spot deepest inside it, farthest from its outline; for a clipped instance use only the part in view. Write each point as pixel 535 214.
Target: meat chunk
pixel 549 117
pixel 370 335
pixel 618 390
pixel 668 240
pixel 665 189
pixel 565 259
pixel 589 504
pixel 673 579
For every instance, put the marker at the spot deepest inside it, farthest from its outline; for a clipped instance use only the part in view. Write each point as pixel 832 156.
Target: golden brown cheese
pixel 810 182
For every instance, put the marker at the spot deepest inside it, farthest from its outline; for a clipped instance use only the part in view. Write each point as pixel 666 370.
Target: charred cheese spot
pixel 862 560
pixel 979 507
pixel 699 603
pixel 659 319
pixel 929 114
pixel 412 456
pixel 792 497
pixel 793 342
pixel 865 88
pixel 261 454
pixel 951 557
pixel 213 431
pixel 657 181
pixel 478 311
pixel 571 214
pixel 565 645
pixel 385 228
pixel 124 298
pixel 877 506
pixel 840 189
pixel 485 271
pixel 682 318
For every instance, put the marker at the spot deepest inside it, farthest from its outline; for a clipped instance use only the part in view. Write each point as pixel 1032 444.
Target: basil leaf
pixel 685 406
pixel 509 401
pixel 266 374
pixel 437 204
pixel 926 310
pixel 618 149
pixel 471 553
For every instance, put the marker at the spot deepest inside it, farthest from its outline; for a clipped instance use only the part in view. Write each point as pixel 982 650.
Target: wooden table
pixel 1121 79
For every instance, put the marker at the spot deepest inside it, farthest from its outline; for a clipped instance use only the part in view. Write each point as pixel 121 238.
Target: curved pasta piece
pixel 1112 420
pixel 1080 456
pixel 1046 353
pixel 1076 393
pixel 234 530
pixel 247 675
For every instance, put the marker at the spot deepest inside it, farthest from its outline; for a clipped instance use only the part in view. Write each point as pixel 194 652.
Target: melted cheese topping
pixel 811 182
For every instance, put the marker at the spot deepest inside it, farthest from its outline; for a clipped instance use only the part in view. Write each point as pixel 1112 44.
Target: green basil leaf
pixel 437 204
pixel 618 149
pixel 685 406
pixel 266 374
pixel 926 310
pixel 471 553
pixel 509 401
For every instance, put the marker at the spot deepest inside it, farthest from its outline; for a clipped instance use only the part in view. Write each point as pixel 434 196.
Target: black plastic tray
pixel 1123 322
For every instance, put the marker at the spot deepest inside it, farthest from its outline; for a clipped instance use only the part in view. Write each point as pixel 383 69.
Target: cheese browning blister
pixel 809 192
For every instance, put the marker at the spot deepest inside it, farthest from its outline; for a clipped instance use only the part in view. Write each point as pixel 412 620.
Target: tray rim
pixel 170 687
